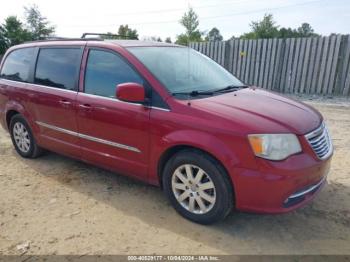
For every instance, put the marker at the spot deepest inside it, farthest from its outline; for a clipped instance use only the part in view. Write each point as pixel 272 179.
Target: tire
pixel 22 138
pixel 210 183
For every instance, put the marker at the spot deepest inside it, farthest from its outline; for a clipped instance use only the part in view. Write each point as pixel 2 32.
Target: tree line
pixel 265 28
pixel 36 27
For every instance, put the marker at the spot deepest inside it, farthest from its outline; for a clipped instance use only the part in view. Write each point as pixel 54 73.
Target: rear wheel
pixel 198 187
pixel 22 138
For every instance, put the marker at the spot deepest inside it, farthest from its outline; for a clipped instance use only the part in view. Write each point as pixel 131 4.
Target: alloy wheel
pixel 193 189
pixel 21 137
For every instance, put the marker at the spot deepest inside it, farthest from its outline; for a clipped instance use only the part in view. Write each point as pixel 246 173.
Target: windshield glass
pixel 183 69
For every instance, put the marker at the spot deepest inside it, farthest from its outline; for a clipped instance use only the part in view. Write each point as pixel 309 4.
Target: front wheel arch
pixel 225 197
pixel 170 152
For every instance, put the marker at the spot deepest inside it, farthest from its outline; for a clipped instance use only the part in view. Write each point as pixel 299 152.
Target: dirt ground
pixel 55 205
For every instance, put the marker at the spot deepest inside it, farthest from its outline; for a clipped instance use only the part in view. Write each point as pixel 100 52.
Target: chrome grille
pixel 320 142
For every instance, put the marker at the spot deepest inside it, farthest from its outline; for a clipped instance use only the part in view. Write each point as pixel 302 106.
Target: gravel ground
pixel 55 205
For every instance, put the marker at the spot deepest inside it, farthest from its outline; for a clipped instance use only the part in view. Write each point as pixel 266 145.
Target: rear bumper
pixel 279 187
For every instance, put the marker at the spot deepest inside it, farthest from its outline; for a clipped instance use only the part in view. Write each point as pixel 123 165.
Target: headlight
pixel 274 146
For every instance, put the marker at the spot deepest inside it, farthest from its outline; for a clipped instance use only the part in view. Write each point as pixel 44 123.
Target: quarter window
pixel 17 65
pixel 104 71
pixel 58 67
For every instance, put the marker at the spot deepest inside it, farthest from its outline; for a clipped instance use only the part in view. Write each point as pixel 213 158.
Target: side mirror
pixel 131 92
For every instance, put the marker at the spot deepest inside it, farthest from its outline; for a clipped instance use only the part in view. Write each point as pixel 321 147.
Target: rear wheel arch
pixel 33 150
pixel 9 115
pixel 14 108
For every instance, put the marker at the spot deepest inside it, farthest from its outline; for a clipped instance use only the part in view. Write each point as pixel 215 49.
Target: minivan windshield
pixel 183 70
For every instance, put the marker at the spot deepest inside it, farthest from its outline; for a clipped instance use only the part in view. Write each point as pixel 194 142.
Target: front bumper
pixel 300 195
pixel 279 187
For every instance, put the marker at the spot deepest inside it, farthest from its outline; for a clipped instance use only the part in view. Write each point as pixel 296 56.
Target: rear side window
pixel 17 65
pixel 58 67
pixel 104 71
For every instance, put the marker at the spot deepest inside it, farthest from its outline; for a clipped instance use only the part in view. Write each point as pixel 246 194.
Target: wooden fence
pixel 315 65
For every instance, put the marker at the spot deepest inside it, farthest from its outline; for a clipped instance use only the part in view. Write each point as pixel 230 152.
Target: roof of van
pixel 130 43
pixel 122 43
pixel 98 42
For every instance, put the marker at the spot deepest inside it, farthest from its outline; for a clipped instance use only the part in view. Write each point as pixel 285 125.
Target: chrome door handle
pixel 85 106
pixel 64 102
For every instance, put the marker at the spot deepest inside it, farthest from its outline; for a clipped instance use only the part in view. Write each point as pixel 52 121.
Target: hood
pixel 259 111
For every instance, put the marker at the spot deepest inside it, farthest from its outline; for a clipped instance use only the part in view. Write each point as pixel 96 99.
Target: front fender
pixel 217 146
pixel 203 141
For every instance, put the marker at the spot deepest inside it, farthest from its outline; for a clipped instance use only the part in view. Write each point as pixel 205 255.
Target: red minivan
pixel 169 116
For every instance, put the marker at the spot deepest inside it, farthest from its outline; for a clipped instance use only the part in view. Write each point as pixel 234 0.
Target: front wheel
pixel 198 187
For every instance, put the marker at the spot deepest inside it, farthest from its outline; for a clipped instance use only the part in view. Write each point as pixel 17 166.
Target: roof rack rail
pixel 49 39
pixel 83 38
pixel 109 35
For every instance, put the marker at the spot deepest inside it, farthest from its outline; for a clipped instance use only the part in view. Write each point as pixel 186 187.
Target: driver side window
pixel 104 71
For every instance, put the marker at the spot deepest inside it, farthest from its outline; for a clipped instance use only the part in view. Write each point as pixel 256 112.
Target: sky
pixel 161 17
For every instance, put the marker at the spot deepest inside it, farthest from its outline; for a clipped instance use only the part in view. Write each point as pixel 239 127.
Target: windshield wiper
pixel 229 88
pixel 194 93
pixel 209 92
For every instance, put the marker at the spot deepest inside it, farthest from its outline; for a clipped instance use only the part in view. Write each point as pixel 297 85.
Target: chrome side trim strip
pixel 48 87
pixel 304 192
pixel 159 108
pixel 120 101
pixel 91 138
pixel 110 143
pixel 54 88
pixel 69 132
pixel 109 98
pixel 12 81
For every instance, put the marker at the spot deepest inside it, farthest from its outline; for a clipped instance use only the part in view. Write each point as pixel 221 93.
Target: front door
pixel 112 133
